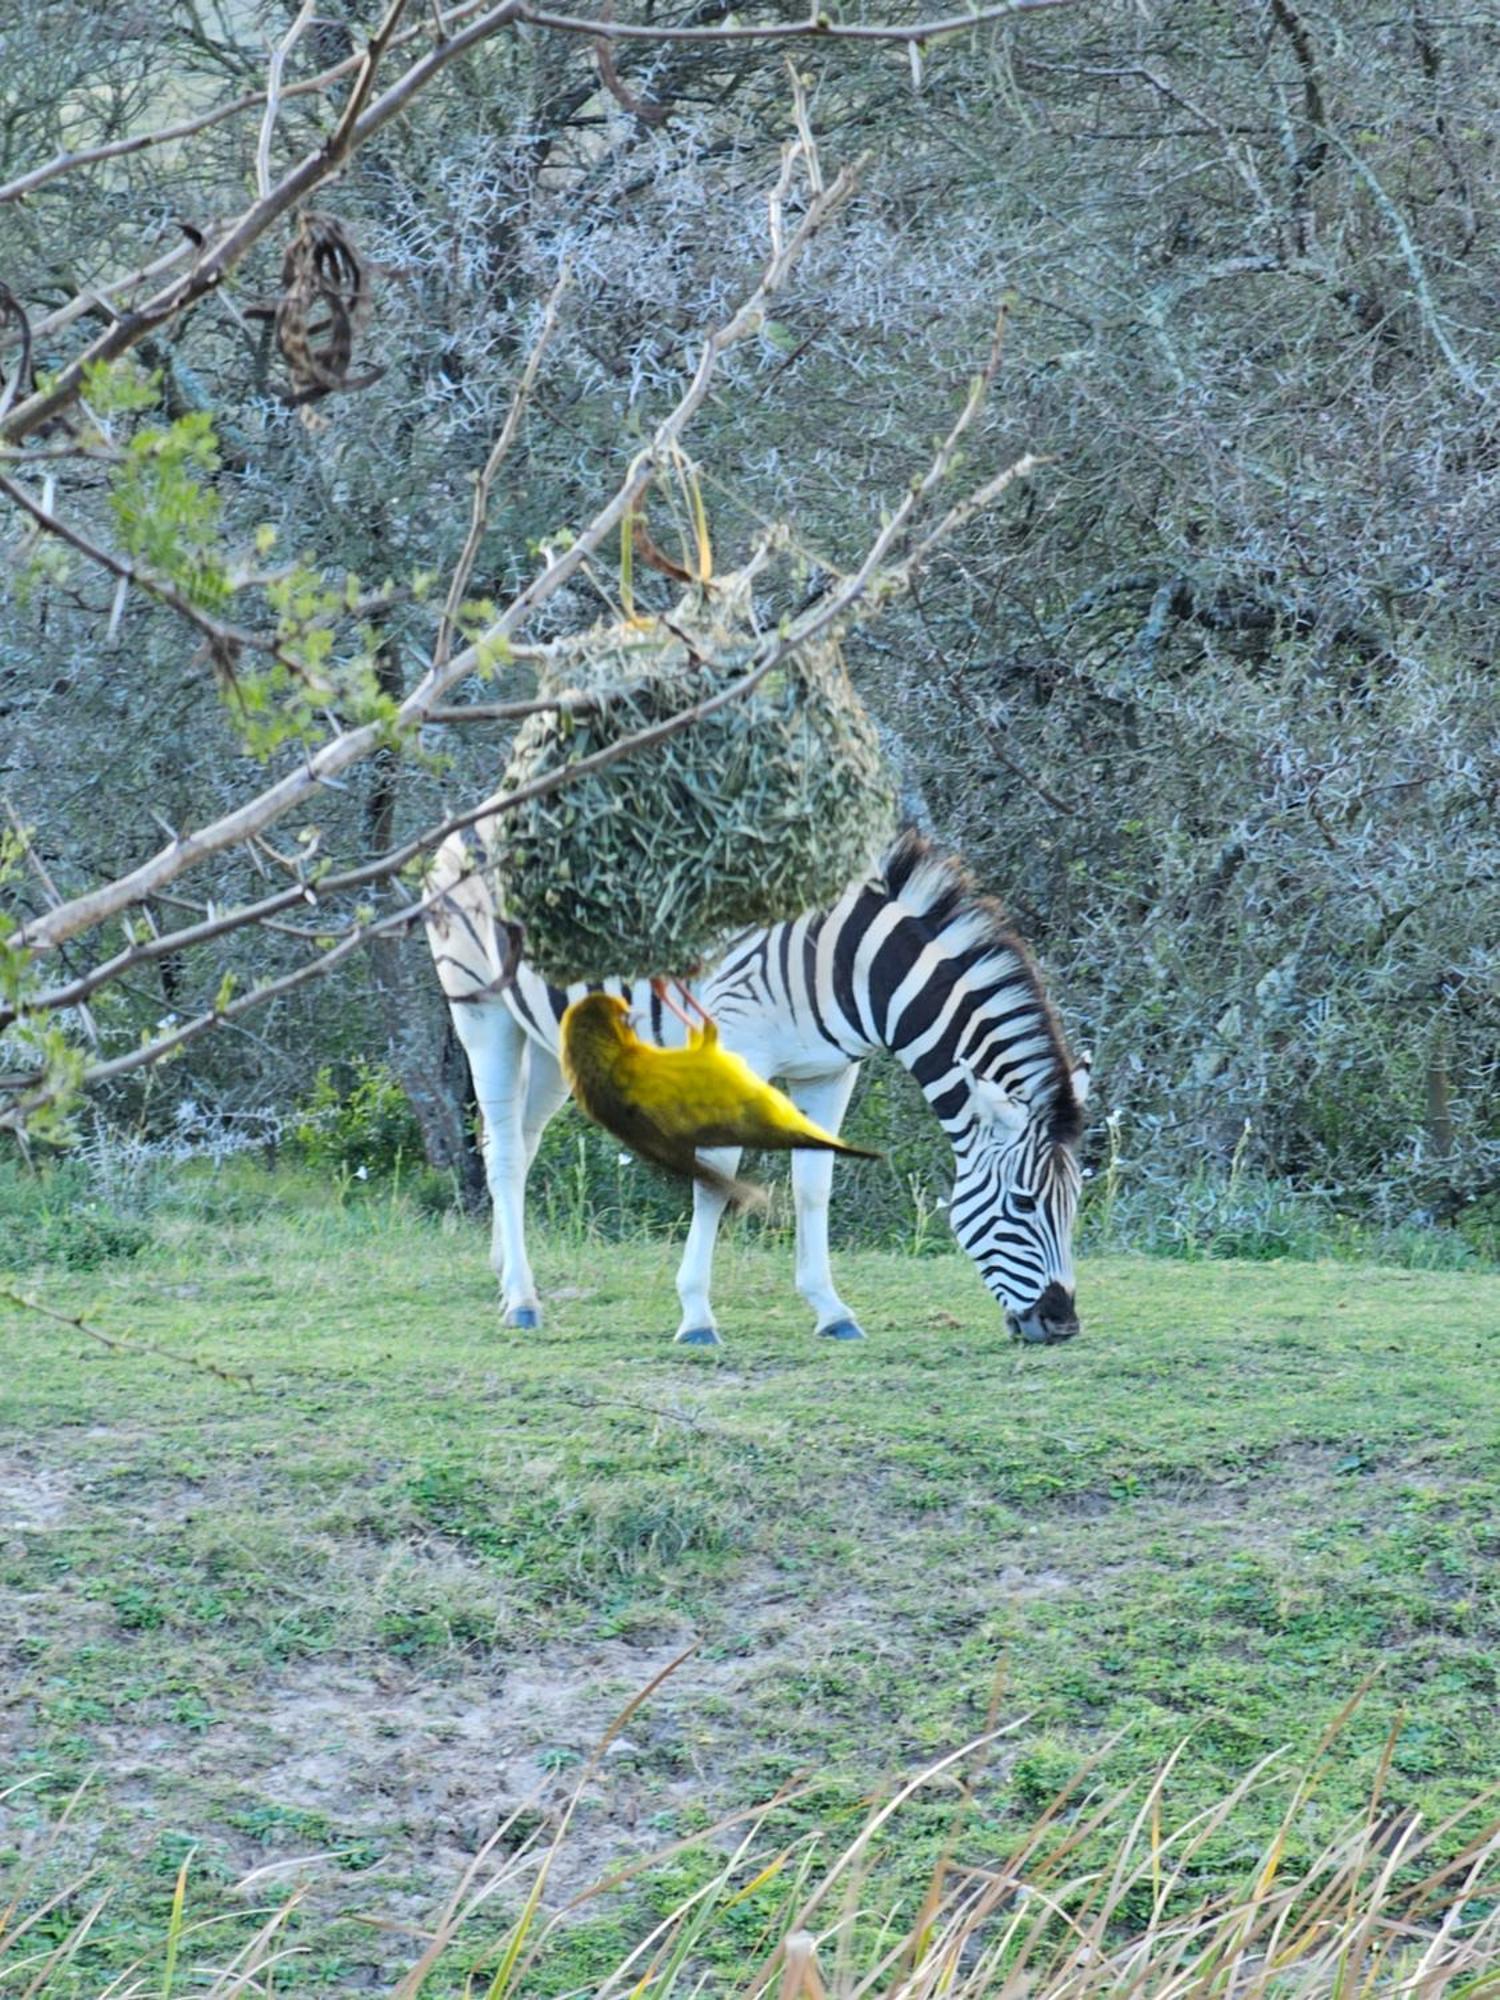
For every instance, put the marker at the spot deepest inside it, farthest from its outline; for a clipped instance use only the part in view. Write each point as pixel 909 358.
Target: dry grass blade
pixel 800 1977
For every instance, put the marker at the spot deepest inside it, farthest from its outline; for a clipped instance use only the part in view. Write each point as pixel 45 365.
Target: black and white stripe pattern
pixel 915 960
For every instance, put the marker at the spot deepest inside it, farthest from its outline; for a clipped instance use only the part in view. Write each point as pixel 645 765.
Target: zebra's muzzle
pixel 1053 1317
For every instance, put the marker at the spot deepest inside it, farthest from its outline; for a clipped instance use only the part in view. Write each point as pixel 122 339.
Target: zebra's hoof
pixel 699 1336
pixel 526 1318
pixel 842 1329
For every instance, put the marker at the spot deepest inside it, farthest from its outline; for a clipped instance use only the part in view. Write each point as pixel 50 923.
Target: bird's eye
pixel 1023 1203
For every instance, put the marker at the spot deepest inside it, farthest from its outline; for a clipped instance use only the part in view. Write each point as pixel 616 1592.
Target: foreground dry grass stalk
pixel 1389 1907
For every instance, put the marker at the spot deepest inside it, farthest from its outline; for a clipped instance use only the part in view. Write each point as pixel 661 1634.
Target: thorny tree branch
pixel 224 640
pixel 1463 372
pixel 119 1344
pixel 217 261
pixel 189 128
pixel 463 569
pixel 12 314
pixel 350 747
pixel 364 83
pixel 273 96
pixel 817 28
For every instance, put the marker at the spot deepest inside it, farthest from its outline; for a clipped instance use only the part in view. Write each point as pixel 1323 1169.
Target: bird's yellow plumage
pixel 666 1103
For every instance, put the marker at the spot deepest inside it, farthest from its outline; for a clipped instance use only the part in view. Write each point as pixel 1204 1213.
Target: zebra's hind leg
pixel 546 1091
pixel 500 1060
pixel 698 1327
pixel 824 1099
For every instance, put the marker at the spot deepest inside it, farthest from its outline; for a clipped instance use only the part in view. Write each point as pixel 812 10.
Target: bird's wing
pixel 751 1112
pixel 690 1091
pixel 709 1096
pixel 620 1112
pixel 636 1124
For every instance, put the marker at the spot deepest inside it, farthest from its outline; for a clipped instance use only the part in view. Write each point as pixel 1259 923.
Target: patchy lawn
pixel 396 1588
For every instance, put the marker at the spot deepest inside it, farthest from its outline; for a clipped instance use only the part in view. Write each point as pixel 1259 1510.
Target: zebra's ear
pixel 999 1105
pixel 1081 1075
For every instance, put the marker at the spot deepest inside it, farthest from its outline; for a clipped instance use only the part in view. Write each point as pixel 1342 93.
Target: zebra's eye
pixel 1023 1203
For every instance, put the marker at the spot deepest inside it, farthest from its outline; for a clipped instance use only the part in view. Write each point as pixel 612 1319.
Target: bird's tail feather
pixel 856 1152
pixel 813 1141
pixel 740 1196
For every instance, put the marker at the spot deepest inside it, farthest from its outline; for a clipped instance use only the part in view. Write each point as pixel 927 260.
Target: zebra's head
pixel 1015 1196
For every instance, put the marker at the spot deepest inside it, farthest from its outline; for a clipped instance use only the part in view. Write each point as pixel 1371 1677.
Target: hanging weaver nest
pixel 770 806
pixel 325 297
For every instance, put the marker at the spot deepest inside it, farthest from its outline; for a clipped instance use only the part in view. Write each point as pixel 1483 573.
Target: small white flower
pixel 361 1173
pixel 624 1159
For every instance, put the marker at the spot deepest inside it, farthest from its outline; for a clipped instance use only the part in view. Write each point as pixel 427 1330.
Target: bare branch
pixel 225 640
pixel 12 314
pixel 817 28
pixel 1463 371
pixel 102 299
pixel 463 569
pixel 364 83
pixel 273 97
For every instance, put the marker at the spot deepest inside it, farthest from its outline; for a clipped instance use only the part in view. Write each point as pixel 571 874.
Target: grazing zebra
pixel 911 959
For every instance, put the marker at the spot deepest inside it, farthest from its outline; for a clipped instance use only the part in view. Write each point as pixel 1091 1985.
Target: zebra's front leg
pixel 824 1099
pixel 500 1062
pixel 698 1327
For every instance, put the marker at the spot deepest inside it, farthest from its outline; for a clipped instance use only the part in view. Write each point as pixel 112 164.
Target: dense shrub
pixel 51 1216
pixel 357 1122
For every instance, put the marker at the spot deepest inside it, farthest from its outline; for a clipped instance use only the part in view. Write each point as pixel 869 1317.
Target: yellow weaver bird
pixel 666 1103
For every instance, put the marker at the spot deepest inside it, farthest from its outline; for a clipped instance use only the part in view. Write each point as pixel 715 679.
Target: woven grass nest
pixel 768 807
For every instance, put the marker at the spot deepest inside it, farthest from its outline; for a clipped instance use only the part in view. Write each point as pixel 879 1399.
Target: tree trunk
pixel 420 1045
pixel 1439 1101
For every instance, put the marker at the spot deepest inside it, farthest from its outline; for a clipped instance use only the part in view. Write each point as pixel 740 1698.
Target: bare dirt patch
pixel 33 1498
pixel 449 1762
pixel 415 1773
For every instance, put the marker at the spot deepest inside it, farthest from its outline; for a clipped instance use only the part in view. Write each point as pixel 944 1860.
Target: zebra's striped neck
pixel 923 965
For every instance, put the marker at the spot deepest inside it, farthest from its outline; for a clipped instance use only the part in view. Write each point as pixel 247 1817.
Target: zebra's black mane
pixel 941 893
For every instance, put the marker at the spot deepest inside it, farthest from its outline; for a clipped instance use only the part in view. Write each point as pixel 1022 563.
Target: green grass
pixel 369 1604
